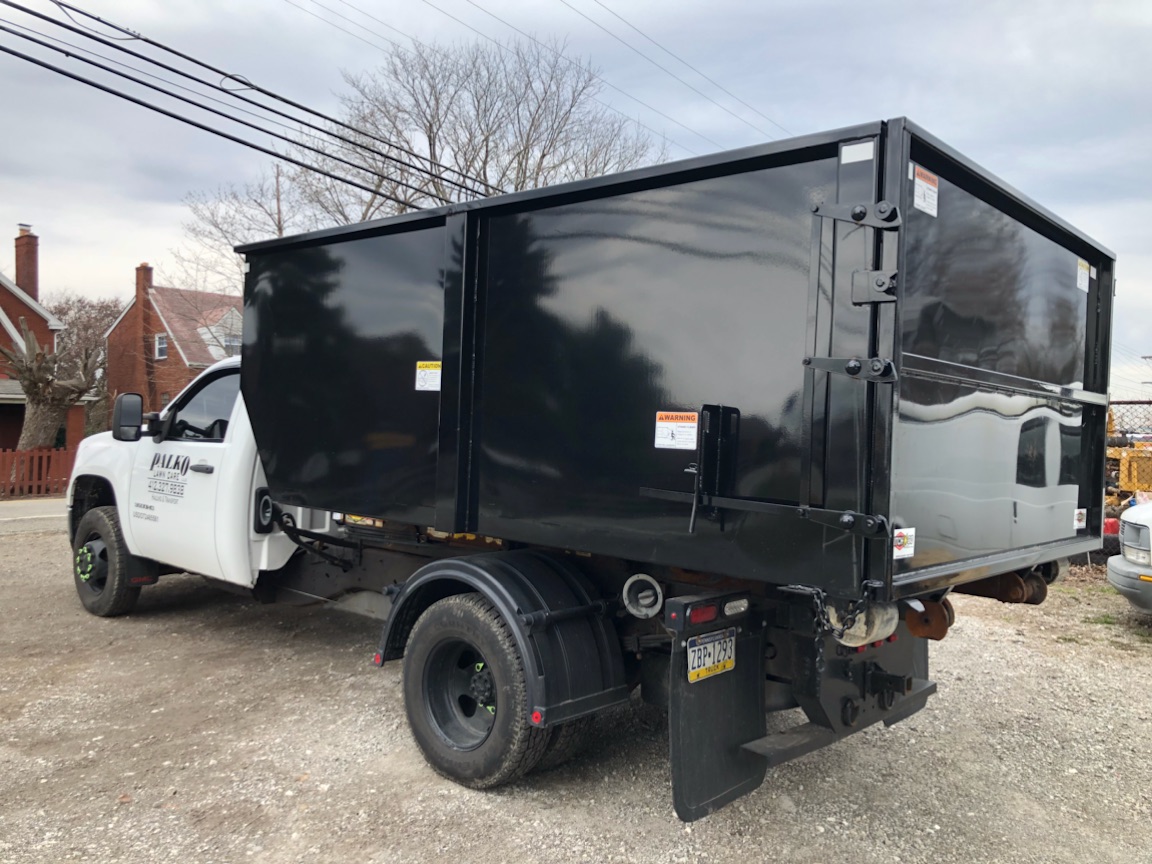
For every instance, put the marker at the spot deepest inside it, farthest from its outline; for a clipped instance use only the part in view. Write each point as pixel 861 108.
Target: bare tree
pixel 48 392
pixel 514 116
pixel 270 206
pixel 86 320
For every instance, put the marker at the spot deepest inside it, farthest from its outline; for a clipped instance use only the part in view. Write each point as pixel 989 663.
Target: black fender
pixel 573 665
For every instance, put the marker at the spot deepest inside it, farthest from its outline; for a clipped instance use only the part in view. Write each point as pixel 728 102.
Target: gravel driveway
pixel 206 728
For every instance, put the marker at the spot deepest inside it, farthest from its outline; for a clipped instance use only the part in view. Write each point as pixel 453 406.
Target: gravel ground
pixel 205 728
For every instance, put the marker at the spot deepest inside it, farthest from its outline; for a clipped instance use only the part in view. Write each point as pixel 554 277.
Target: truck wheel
pixel 566 741
pixel 466 696
pixel 102 564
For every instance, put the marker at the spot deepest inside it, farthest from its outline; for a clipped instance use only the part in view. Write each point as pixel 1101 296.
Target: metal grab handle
pixel 203 469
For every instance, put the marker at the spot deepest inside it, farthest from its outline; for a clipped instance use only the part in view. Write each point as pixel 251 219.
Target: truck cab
pixel 179 491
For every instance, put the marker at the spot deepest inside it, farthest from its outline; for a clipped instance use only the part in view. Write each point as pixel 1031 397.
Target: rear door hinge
pixel 875 369
pixel 883 214
pixel 873 286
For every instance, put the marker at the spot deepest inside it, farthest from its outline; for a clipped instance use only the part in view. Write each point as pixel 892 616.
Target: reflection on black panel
pixel 601 314
pixel 1070 465
pixel 977 471
pixel 983 290
pixel 332 336
pixel 1030 454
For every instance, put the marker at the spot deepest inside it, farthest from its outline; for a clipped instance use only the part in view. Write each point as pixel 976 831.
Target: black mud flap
pixel 709 721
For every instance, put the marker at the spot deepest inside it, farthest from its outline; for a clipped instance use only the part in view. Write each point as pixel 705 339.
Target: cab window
pixel 203 415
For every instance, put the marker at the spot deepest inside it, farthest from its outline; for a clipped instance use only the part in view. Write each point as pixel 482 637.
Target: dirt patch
pixel 207 728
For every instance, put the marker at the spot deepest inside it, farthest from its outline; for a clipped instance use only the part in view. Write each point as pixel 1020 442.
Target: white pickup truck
pixel 182 491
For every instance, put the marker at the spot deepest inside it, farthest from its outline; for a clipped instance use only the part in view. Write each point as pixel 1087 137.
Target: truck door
pixel 174 481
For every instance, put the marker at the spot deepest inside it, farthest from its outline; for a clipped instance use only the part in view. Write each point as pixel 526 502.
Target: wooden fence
pixel 27 473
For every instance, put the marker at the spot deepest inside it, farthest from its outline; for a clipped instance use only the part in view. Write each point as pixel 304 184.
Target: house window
pixel 161 346
pixel 231 346
pixel 165 398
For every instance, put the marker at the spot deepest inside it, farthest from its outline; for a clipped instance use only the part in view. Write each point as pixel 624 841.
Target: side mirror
pixel 127 417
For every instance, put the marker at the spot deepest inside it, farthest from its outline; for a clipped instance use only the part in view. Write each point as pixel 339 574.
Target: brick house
pixel 20 298
pixel 166 336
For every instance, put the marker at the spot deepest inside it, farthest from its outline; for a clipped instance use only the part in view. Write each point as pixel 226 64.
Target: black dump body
pixel 844 357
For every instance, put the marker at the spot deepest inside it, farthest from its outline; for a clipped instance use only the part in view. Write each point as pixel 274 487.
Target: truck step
pixel 781 747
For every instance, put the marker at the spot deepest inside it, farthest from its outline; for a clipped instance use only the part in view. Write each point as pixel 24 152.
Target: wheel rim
pixel 460 694
pixel 91 563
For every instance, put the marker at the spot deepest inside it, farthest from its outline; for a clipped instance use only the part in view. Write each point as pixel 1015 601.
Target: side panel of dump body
pixel 609 323
pixel 336 336
pixel 1003 326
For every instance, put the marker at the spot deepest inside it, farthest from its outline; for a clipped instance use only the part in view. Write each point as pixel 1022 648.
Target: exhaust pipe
pixel 643 596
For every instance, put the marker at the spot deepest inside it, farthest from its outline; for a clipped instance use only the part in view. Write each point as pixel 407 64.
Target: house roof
pixel 11 327
pixel 186 313
pixel 187 316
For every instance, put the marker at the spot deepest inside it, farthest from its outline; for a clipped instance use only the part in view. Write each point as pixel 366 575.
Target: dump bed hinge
pixel 875 369
pixel 883 214
pixel 873 286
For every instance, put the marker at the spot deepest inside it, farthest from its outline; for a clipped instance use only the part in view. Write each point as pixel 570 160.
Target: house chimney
pixel 143 283
pixel 28 262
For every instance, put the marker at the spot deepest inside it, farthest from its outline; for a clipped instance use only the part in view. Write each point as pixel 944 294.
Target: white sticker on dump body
pixel 1083 274
pixel 925 190
pixel 676 430
pixel 428 374
pixel 861 151
pixel 1080 519
pixel 903 543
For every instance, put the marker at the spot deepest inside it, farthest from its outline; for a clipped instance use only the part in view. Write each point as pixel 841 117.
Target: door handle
pixel 203 469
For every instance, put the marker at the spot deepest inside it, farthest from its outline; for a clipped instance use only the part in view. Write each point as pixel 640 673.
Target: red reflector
pixel 861 648
pixel 703 614
pixel 892 638
pixel 537 717
pixel 877 644
pixel 1112 526
pixel 378 659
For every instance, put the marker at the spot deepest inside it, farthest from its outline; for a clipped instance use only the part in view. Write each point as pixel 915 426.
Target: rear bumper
pixel 1125 578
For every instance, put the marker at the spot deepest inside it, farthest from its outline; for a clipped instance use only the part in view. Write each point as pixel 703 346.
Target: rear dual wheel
pixel 466 694
pixel 466 697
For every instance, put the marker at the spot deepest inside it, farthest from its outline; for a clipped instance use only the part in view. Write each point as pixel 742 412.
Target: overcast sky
pixel 1050 96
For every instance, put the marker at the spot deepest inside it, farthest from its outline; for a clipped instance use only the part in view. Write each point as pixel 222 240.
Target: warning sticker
pixel 1080 520
pixel 428 374
pixel 925 190
pixel 903 543
pixel 676 430
pixel 1083 273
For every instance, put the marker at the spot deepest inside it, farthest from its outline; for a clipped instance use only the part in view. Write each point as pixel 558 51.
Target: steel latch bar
pixel 862 524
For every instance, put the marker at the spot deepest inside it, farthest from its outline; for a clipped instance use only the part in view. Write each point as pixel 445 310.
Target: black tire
pixel 102 566
pixel 567 740
pixel 466 696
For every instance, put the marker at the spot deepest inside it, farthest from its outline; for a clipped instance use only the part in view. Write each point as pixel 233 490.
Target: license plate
pixel 711 654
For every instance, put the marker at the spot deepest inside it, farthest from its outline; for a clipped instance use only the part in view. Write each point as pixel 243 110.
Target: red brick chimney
pixel 143 283
pixel 147 330
pixel 28 262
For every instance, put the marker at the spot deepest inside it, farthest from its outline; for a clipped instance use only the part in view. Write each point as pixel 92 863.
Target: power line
pixel 188 100
pixel 693 68
pixel 247 84
pixel 160 78
pixel 238 96
pixel 580 66
pixel 235 139
pixel 666 70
